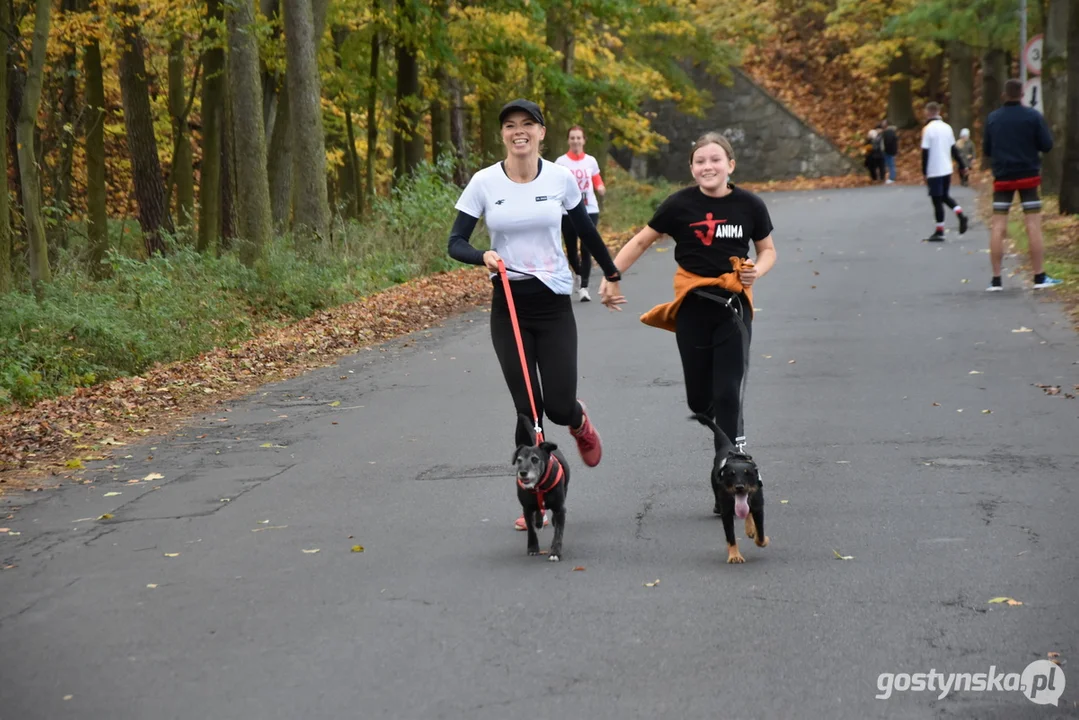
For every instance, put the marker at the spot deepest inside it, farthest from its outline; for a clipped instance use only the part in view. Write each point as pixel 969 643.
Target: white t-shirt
pixel 585 170
pixel 524 220
pixel 938 138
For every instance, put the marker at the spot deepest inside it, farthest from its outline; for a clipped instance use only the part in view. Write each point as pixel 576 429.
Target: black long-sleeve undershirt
pixel 461 249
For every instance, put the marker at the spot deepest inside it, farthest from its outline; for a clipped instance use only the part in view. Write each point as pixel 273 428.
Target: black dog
pixel 542 482
pixel 736 483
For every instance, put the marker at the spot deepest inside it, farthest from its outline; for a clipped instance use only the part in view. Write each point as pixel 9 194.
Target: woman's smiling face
pixel 522 135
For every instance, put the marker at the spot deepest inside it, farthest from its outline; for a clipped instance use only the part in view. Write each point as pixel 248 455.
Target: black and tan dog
pixel 737 485
pixel 542 483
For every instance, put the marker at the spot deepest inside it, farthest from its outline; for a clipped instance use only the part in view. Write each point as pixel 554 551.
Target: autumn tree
pixel 5 209
pixel 149 182
pixel 97 221
pixel 252 185
pixel 29 172
pixel 1069 191
pixel 213 111
pixel 1055 89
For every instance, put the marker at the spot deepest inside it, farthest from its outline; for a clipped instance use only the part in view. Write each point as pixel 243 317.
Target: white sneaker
pixel 583 295
pixel 889 181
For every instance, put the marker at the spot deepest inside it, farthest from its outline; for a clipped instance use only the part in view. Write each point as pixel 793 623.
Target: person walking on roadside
pixel 966 151
pixel 522 198
pixel 586 171
pixel 713 223
pixel 938 151
pixel 891 148
pixel 1015 135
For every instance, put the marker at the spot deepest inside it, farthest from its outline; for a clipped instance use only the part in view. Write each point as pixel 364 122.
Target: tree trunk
pixel 457 133
pixel 441 104
pixel 1069 192
pixel 900 103
pixel 349 176
pixel 28 169
pixel 279 165
pixel 182 172
pixel 229 219
pixel 372 114
pixel 213 90
pixel 934 78
pixel 560 39
pixel 6 242
pixel 1055 90
pixel 252 184
pixel 68 119
pixel 993 77
pixel 490 137
pixel 141 142
pixel 97 226
pixel 961 86
pixel 311 209
pixel 270 81
pixel 408 140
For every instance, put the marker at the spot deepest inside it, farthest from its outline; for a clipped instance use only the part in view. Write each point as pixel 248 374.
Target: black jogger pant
pixel 582 262
pixel 713 363
pixel 549 334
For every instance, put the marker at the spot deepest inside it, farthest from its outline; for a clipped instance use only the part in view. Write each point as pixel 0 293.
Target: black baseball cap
pixel 525 106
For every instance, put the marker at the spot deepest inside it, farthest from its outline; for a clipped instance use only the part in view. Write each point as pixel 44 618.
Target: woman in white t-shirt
pixel 522 198
pixel 585 169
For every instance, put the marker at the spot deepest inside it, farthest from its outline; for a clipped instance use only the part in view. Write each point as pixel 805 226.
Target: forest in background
pixel 182 175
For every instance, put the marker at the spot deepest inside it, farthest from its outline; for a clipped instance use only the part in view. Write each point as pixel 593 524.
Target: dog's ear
pixel 550 447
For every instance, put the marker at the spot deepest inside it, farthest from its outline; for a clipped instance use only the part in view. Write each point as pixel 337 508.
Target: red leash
pixel 520 349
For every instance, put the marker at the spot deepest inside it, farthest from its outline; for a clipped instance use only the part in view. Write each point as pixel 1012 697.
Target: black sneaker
pixel 962 223
pixel 995 285
pixel 935 237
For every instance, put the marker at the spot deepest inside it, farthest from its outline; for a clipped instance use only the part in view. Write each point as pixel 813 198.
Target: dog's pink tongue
pixel 741 506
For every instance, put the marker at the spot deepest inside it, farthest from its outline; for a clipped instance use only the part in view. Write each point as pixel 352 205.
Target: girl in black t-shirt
pixel 712 224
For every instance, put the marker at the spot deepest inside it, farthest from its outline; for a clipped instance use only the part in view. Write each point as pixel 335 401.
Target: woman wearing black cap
pixel 522 198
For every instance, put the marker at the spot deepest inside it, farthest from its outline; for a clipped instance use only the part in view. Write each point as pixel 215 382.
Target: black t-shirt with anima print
pixel 707 231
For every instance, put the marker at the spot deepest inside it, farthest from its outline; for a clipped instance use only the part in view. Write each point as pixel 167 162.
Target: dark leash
pixel 732 302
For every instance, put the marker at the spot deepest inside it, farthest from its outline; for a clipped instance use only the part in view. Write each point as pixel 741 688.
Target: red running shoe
pixel 588 442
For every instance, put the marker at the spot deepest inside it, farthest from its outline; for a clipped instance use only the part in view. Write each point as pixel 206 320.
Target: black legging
pixel 582 264
pixel 939 201
pixel 549 334
pixel 712 361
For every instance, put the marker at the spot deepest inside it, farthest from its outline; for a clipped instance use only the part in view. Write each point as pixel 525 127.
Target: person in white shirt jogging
pixel 938 151
pixel 522 199
pixel 585 169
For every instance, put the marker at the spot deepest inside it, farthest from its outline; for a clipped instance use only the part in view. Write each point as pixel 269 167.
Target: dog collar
pixel 547 482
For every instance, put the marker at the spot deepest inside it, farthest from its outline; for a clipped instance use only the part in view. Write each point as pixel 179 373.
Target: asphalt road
pixel 864 410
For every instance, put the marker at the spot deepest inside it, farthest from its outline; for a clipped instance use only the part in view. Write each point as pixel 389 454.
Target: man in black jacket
pixel 891 148
pixel 1015 136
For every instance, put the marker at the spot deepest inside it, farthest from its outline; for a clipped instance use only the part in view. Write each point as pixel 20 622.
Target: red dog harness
pixel 546 483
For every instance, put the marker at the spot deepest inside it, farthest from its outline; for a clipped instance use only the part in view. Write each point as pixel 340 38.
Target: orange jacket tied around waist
pixel 663 316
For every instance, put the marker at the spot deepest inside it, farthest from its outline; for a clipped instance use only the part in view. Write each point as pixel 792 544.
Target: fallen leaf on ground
pixel 271 445
pixel 784 502
pixel 1052 654
pixel 936 404
pixel 662 249
pixel 579 568
pixel 357 548
pixel 272 527
pixel 263 522
pixel 791 362
pixel 335 403
pixel 112 441
pixel 172 554
pixel 68 697
pixel 767 357
pixel 975 372
pixel 1008 600
pixel 1022 328
pixel 73 464
pixel 154 476
pixel 842 557
pixel 199 437
pixel 652 584
pixel 312 551
pixel 112 494
pixel 106 516
pixel 987 412
pixel 152 585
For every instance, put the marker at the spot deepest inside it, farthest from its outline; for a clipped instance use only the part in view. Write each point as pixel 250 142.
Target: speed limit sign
pixel 1032 55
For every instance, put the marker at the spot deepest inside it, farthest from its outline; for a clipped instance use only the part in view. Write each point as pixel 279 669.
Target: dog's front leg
pixel 530 515
pixel 733 555
pixel 755 521
pixel 558 519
